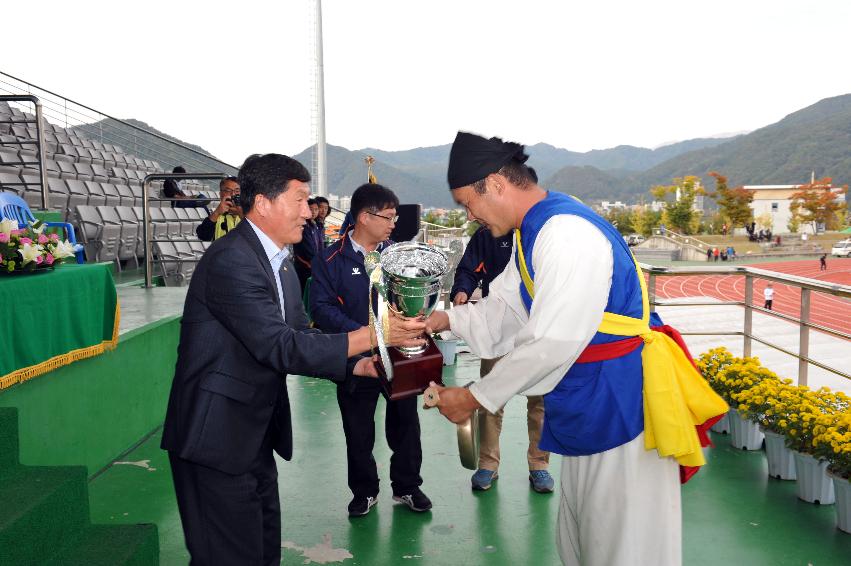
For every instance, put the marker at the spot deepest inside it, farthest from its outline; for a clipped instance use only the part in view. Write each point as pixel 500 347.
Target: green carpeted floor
pixel 733 514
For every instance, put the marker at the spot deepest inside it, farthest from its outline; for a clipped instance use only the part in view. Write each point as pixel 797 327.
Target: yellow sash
pixel 676 397
pixel 231 220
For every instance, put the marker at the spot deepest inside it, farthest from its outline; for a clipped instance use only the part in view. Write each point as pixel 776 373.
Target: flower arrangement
pixel 29 248
pixel 832 437
pixel 729 376
pixel 815 422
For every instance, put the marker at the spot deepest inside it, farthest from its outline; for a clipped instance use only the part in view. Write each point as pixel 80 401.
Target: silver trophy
pixel 407 277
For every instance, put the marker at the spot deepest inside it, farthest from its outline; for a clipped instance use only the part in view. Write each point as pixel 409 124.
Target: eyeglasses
pixel 391 219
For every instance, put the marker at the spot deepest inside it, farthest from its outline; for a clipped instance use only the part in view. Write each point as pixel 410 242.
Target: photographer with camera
pixel 226 216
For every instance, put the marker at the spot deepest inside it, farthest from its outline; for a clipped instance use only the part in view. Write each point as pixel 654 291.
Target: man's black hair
pixel 311 201
pixel 373 198
pixel 268 175
pixel 230 178
pixel 320 200
pixel 178 169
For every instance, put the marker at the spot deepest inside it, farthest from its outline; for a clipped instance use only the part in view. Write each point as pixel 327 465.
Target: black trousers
pixel 768 304
pixel 401 427
pixel 230 519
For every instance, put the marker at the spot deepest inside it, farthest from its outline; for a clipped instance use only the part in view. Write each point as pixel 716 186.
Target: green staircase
pixel 44 515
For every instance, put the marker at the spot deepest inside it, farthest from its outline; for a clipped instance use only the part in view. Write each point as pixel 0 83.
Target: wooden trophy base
pixel 411 376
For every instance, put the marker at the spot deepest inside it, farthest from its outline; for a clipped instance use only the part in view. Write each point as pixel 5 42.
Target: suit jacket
pixel 235 352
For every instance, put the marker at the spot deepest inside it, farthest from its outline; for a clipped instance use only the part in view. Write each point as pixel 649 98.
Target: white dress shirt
pixel 276 257
pixel 572 262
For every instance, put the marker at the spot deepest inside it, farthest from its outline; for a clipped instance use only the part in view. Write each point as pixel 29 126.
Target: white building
pixel 775 200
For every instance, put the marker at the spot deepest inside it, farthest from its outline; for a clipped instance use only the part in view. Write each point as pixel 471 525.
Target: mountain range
pixel 814 139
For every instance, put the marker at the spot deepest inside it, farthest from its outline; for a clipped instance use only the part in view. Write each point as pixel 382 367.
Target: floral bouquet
pixel 29 249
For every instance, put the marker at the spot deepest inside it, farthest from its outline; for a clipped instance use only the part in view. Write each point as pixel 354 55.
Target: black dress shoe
pixel 360 506
pixel 416 500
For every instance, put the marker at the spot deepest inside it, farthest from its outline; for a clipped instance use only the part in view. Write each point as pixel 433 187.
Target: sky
pixel 236 77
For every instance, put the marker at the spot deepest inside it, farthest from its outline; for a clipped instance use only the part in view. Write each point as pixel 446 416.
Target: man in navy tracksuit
pixel 339 302
pixel 310 246
pixel 484 259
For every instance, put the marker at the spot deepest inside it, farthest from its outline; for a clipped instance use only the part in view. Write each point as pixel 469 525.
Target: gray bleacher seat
pixel 97 196
pixel 127 234
pixel 187 224
pixel 128 217
pixel 107 177
pixel 97 157
pixel 68 151
pixel 58 195
pixel 105 156
pixel 21 132
pixel 137 196
pixel 67 169
pixel 170 262
pixel 83 155
pixel 87 143
pixel 86 173
pixel 172 222
pixel 11 182
pixel 32 189
pixel 126 195
pixel 159 227
pixel 10 162
pixel 100 240
pixel 113 197
pixel 78 195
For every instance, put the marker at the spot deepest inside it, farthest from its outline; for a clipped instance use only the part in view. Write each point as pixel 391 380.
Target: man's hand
pixel 438 321
pixel 456 403
pixel 460 298
pixel 406 332
pixel 365 367
pixel 224 207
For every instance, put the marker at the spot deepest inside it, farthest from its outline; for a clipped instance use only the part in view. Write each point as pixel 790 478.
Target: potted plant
pixel 832 442
pixel 807 410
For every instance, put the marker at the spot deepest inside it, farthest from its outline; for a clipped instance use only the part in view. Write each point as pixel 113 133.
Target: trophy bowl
pixel 411 274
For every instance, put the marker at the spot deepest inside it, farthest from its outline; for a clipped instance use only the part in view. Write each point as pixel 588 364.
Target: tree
pixel 678 212
pixel 645 219
pixel 734 204
pixel 818 203
pixel 621 218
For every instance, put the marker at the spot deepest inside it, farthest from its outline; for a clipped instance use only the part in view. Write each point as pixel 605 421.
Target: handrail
pixel 146 216
pixel 129 125
pixel 39 127
pixel 807 286
pixel 677 236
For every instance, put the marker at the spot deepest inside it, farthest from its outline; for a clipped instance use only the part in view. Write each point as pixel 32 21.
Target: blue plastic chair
pixel 13 207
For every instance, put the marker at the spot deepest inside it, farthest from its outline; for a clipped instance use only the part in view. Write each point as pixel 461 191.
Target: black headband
pixel 473 158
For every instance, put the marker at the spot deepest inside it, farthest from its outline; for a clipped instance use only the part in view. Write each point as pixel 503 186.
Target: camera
pixel 236 200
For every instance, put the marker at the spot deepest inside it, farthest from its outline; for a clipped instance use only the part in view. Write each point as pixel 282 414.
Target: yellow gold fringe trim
pixel 24 374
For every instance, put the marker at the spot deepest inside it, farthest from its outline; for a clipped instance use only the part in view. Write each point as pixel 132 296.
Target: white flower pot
pixel 744 434
pixel 814 485
pixel 781 460
pixel 722 426
pixel 448 348
pixel 842 489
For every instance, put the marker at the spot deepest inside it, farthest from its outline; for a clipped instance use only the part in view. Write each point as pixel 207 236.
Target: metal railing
pixel 39 141
pixel 98 126
pixel 807 286
pixel 146 213
pixel 682 239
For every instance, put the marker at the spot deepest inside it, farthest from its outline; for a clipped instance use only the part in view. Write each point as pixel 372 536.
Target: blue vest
pixel 599 405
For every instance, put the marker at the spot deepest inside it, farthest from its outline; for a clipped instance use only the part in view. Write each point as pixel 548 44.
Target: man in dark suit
pixel 243 331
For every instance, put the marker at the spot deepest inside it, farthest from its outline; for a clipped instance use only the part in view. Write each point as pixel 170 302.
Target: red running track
pixel 826 310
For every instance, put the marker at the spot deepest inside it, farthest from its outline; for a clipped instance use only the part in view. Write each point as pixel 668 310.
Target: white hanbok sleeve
pixel 572 261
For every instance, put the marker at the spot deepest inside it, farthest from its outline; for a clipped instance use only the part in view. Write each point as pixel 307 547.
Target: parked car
pixel 841 249
pixel 633 239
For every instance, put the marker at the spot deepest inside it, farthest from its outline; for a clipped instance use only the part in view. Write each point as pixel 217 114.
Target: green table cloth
pixel 54 318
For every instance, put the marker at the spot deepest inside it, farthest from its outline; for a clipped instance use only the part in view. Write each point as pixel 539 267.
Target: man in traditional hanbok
pixel 570 317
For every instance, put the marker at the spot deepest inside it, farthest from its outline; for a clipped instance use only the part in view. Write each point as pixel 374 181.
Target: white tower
pixel 319 166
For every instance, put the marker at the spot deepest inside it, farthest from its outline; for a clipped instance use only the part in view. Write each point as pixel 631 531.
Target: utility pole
pixel 320 168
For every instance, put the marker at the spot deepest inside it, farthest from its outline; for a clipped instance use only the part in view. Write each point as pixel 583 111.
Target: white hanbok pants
pixel 620 508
